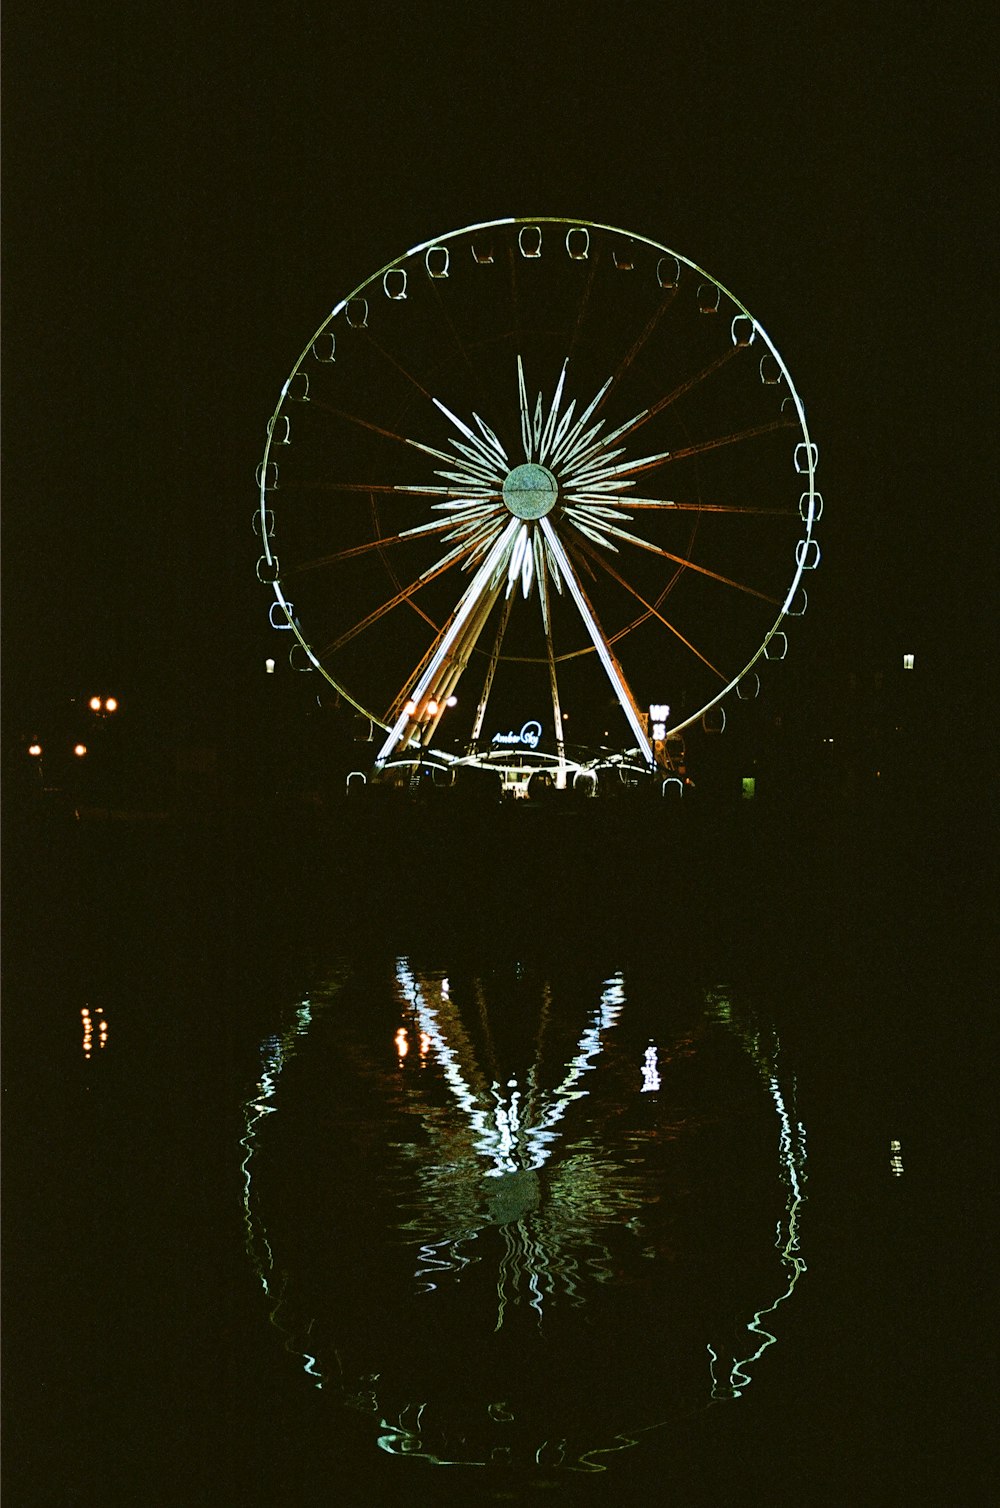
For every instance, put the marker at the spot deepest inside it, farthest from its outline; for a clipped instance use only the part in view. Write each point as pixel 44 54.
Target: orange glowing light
pixel 35 750
pixel 79 750
pixel 111 705
pixel 402 1044
pixel 432 707
pixel 94 704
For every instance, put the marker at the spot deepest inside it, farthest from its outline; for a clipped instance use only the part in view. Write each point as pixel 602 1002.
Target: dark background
pixel 190 189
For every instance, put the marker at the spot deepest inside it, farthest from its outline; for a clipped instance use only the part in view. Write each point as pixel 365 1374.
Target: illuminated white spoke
pixel 487 483
pixel 611 666
pixel 479 584
pixel 472 468
pixel 625 469
pixel 446 560
pixel 616 434
pixel 522 395
pixel 564 424
pixel 480 448
pixel 547 433
pixel 491 439
pixel 536 427
pixel 596 509
pixel 592 533
pixel 601 492
pixel 478 461
pixel 516 556
pixel 570 452
pixel 527 571
pixel 573 435
pixel 470 526
pixel 460 492
pixel 437 523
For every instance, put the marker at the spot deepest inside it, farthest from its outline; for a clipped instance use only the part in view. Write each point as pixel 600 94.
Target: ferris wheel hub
pixel 530 491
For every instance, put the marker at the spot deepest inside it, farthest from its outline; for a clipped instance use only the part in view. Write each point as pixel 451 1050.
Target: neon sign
pixel 528 738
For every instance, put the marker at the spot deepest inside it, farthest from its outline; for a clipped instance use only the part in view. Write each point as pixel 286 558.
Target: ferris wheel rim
pixel 807 445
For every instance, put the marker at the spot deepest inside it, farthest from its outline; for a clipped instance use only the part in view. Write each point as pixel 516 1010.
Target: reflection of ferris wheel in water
pixel 537 475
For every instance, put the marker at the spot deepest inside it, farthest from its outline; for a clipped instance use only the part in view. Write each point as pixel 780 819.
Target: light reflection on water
pixel 521 1221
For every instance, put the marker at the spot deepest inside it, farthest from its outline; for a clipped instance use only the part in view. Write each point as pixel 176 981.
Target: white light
pixel 111 704
pixel 94 704
pixel 35 750
pixel 432 707
pixel 452 701
pixel 907 662
pixel 659 730
pixel 79 750
pixel 410 708
pixel 269 667
pixel 659 712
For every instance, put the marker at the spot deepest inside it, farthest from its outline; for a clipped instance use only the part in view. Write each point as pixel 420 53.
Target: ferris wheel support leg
pixel 458 661
pixel 479 584
pixel 543 598
pixel 607 659
pixel 477 726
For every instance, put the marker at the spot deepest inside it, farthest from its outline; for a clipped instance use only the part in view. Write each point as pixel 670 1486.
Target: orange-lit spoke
pixel 471 493
pixel 387 434
pixel 625 500
pixel 599 558
pixel 743 434
pixel 372 544
pixel 386 607
pixel 740 586
pixel 399 367
pixel 651 325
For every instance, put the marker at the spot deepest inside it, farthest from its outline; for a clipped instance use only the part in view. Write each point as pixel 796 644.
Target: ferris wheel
pixel 537 487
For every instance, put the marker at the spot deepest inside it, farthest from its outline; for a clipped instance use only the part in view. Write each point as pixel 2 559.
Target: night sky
pixel 189 189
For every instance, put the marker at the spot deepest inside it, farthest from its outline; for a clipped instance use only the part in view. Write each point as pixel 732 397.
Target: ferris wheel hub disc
pixel 530 491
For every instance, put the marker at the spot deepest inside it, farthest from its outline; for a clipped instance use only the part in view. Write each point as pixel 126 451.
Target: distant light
pixel 452 701
pixel 94 704
pixel 269 667
pixel 79 750
pixel 432 707
pixel 659 730
pixel 402 1042
pixel 35 750
pixel 659 712
pixel 410 708
pixel 907 662
pixel 111 704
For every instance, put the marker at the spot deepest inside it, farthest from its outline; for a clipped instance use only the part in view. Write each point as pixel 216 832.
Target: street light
pixel 79 750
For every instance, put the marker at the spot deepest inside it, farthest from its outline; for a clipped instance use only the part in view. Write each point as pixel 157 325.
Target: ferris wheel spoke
pixel 386 607
pixel 599 640
pixel 403 371
pixel 681 507
pixel 733 439
pixel 387 434
pixel 650 608
pixel 651 325
pixel 386 540
pixel 644 544
pixel 485 581
pixel 488 451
